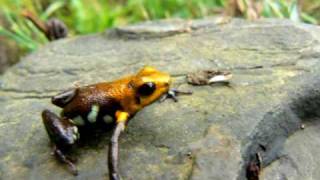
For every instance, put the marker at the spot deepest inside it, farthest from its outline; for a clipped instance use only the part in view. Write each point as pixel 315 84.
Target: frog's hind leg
pixel 63 134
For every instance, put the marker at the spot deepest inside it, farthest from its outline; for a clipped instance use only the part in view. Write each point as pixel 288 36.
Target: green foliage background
pixel 89 16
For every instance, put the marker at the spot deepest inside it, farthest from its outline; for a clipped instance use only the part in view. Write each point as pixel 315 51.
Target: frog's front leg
pixel 63 134
pixel 173 93
pixel 113 153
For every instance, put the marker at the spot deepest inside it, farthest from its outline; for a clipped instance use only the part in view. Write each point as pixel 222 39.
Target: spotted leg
pixel 113 153
pixel 173 93
pixel 63 134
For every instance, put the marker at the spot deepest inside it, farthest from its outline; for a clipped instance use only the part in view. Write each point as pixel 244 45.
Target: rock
pixel 212 134
pixel 298 157
pixel 151 29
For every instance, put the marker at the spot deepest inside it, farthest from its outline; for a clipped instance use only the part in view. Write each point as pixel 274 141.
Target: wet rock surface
pixel 212 134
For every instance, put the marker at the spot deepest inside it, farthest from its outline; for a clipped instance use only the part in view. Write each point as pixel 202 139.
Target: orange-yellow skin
pixel 119 98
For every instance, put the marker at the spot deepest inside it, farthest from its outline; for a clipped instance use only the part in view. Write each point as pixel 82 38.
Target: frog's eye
pixel 147 89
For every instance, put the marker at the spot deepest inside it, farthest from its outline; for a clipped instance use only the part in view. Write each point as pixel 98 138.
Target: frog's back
pixel 97 97
pixel 92 102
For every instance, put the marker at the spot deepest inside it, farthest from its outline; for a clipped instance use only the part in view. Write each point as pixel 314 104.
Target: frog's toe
pixel 173 93
pixel 64 159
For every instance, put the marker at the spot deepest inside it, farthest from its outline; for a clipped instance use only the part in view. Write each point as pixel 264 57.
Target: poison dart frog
pixel 120 100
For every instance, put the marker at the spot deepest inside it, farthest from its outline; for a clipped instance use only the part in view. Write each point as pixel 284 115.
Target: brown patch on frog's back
pixel 102 95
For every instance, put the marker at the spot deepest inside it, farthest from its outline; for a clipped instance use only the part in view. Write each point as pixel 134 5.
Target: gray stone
pixel 299 157
pixel 212 134
pixel 152 29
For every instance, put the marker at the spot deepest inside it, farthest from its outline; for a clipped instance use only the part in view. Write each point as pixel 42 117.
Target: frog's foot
pixel 63 134
pixel 61 131
pixel 173 93
pixel 64 159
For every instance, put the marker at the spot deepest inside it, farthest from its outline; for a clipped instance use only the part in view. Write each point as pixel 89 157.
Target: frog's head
pixel 150 84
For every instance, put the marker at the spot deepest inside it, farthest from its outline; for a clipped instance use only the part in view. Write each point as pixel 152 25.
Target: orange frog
pixel 120 100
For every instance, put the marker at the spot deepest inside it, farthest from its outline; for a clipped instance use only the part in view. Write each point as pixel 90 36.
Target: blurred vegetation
pixel 88 16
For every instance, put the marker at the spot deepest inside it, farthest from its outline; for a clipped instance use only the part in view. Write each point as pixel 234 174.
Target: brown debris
pixel 53 29
pixel 206 77
pixel 254 168
pixel 56 29
pixel 253 171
